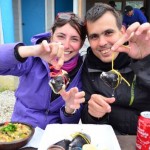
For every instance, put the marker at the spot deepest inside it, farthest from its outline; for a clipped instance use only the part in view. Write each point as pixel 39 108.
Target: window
pixel 135 4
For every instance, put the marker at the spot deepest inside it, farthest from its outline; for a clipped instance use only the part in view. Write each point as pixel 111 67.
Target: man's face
pixel 102 34
pixel 130 13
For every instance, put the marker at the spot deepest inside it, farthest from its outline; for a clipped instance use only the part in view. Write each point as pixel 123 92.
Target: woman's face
pixel 70 39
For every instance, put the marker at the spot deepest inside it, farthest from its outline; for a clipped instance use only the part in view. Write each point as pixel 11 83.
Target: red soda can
pixel 143 131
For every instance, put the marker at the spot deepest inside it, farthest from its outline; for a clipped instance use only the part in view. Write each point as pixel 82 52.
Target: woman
pixel 36 103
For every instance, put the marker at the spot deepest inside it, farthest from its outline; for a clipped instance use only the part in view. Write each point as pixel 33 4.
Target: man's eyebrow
pixel 109 30
pixel 93 34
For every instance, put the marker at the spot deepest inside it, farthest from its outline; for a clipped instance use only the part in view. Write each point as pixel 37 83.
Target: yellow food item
pixel 89 147
pixel 118 73
pixel 14 131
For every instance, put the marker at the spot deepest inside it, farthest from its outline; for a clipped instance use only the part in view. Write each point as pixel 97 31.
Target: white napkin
pixel 34 142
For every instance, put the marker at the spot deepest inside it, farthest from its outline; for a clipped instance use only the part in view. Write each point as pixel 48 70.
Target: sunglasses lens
pixel 64 16
pixel 70 17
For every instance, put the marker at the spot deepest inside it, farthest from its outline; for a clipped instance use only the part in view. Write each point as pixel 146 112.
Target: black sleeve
pixel 88 88
pixel 142 70
pixel 86 118
pixel 17 55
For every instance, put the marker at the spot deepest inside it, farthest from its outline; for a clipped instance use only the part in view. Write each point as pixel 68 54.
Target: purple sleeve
pixel 7 57
pixel 9 65
pixel 38 38
pixel 73 118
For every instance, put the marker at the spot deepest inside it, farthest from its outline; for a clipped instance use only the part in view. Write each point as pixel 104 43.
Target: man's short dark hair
pixel 98 10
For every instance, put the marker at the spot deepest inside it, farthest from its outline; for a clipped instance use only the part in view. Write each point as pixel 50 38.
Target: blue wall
pixel 63 6
pixel 33 18
pixel 7 20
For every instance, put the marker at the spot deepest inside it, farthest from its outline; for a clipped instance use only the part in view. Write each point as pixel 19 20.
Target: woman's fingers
pixel 54 50
pixel 77 102
pixel 46 45
pixel 78 98
pixel 63 93
pixel 56 55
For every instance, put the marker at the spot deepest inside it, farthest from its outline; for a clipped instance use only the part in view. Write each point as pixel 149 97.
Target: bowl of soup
pixel 14 135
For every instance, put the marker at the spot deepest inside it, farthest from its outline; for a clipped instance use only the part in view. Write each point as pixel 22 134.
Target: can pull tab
pixel 146 114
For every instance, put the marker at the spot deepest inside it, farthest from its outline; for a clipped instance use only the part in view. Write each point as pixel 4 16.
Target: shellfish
pixel 59 80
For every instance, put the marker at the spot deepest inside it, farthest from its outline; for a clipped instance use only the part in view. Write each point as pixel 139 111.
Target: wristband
pixel 68 114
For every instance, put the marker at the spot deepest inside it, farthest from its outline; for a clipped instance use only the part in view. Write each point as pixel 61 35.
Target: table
pixel 127 142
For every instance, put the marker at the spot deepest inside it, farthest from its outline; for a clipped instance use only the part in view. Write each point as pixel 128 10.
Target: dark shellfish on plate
pixel 61 145
pixel 79 139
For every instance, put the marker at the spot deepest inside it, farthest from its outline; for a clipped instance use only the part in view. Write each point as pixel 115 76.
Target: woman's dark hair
pixel 73 21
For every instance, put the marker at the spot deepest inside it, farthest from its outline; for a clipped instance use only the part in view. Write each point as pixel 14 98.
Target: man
pixel 144 12
pixel 132 15
pixel 112 3
pixel 106 36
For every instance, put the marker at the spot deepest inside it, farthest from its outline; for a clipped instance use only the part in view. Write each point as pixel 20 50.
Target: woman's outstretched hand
pixel 53 53
pixel 73 98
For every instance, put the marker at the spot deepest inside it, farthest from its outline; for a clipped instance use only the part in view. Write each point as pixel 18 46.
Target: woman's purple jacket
pixel 33 96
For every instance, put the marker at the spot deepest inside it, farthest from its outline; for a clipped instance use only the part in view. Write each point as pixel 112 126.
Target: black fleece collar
pixel 121 62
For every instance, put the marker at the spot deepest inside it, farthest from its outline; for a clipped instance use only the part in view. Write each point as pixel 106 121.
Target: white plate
pixel 102 136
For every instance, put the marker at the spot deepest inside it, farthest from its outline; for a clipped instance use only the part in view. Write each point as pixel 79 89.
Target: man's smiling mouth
pixel 104 51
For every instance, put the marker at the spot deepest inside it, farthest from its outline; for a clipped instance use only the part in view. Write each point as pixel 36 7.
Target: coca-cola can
pixel 143 131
